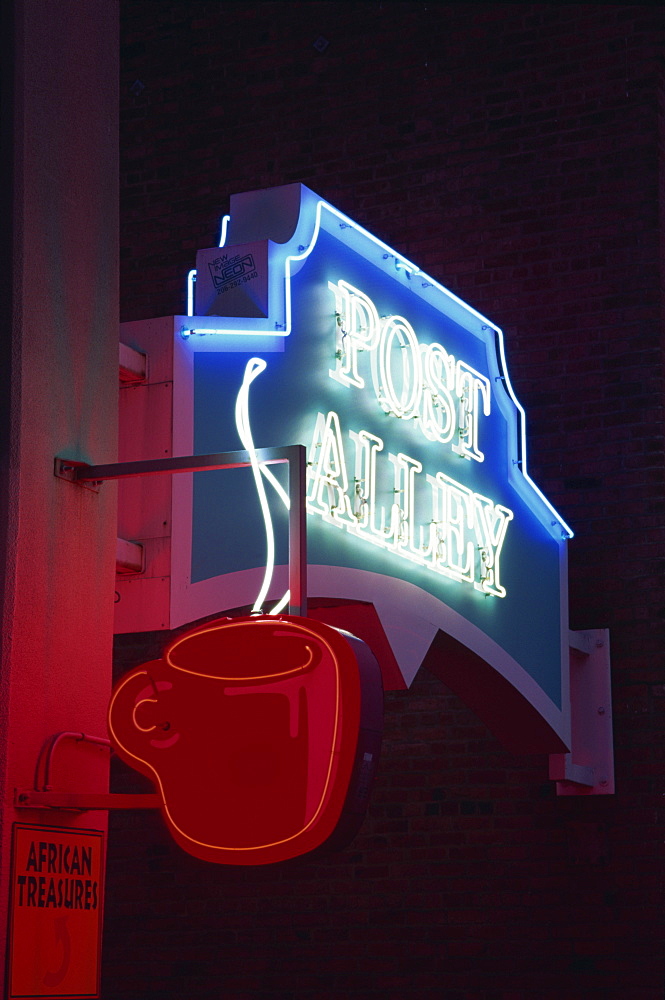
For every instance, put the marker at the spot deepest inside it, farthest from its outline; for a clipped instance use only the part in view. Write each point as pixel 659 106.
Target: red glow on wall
pixel 248 727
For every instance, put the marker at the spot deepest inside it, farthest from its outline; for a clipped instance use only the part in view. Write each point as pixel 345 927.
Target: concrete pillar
pixel 58 381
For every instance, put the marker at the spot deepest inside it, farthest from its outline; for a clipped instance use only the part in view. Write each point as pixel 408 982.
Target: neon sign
pixel 439 392
pixel 250 729
pixel 463 537
pixel 464 532
pixel 418 494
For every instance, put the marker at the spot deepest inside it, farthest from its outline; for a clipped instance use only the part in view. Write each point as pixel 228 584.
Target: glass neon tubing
pixel 258 847
pixel 410 269
pixel 223 231
pixel 254 368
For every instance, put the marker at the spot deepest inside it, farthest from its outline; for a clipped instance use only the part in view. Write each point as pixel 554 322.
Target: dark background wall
pixel 512 151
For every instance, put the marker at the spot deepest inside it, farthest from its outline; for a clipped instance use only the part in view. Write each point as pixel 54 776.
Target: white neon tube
pixel 224 229
pixel 254 368
pixel 191 281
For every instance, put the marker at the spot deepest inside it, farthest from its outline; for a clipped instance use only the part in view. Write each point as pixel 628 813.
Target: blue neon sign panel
pixel 418 495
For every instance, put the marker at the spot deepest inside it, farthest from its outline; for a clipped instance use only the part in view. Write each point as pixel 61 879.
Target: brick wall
pixel 511 150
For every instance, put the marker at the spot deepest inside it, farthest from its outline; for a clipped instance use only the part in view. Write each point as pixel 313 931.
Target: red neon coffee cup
pixel 248 727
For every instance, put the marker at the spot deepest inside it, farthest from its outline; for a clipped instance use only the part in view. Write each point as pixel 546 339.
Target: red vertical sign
pixel 56 913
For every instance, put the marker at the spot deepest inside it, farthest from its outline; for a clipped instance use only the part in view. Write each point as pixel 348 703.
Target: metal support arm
pixel 29 798
pixel 43 796
pixel 91 476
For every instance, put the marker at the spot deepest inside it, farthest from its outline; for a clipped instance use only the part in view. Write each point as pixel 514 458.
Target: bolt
pixel 601 710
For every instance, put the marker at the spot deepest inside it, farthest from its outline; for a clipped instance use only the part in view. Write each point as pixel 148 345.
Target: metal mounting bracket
pixel 68 469
pixel 589 767
pixel 30 798
pixel 43 796
pixel 92 476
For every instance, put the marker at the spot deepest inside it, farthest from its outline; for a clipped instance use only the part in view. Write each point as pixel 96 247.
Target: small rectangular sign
pixel 56 912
